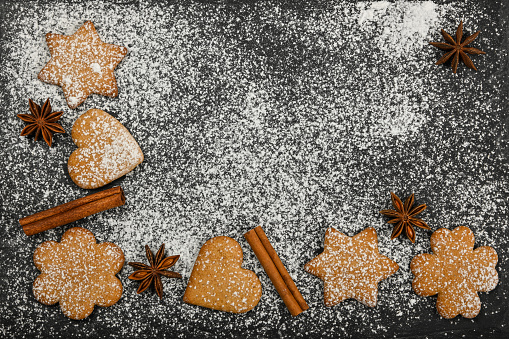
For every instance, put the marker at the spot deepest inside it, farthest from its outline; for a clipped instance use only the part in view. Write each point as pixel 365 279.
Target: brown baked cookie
pixel 351 267
pixel 78 273
pixel 455 271
pixel 106 150
pixel 218 282
pixel 82 64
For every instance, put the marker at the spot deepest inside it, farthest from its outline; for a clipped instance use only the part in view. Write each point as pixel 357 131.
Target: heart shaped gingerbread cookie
pixel 219 282
pixel 106 150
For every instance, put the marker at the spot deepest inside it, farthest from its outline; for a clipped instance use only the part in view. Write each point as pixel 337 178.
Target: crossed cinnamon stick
pixel 276 271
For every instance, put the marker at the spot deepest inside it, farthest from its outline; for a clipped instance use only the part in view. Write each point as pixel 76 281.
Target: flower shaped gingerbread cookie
pixel 455 271
pixel 78 273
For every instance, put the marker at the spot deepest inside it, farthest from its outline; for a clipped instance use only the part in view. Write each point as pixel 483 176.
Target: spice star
pixel 158 267
pixel 82 64
pixel 41 121
pixel 351 267
pixel 457 48
pixel 404 217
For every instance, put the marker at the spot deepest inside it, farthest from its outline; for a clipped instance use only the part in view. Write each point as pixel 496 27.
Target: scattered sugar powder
pixel 403 26
pixel 96 67
pixel 296 118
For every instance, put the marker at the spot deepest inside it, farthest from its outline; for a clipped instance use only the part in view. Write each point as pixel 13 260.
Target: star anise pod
pixel 152 274
pixel 457 48
pixel 404 217
pixel 41 121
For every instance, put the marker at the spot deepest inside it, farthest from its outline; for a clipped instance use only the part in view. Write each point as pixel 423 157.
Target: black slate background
pixel 432 163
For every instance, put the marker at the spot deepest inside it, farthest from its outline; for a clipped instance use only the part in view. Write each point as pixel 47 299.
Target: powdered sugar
pixel 404 26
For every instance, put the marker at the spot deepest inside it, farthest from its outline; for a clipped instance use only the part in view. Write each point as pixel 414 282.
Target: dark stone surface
pixel 290 116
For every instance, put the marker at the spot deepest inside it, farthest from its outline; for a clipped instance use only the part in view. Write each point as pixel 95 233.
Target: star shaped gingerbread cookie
pixel 82 64
pixel 351 267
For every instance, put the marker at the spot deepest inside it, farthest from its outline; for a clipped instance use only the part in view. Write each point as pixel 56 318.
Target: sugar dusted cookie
pixel 218 282
pixel 82 64
pixel 351 267
pixel 106 150
pixel 455 271
pixel 78 273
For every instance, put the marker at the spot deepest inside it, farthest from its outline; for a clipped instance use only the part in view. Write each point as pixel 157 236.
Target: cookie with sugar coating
pixel 351 267
pixel 106 150
pixel 82 64
pixel 219 282
pixel 455 271
pixel 78 273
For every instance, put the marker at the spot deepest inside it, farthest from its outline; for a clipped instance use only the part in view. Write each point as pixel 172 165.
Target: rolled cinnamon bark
pixel 281 268
pixel 73 210
pixel 273 273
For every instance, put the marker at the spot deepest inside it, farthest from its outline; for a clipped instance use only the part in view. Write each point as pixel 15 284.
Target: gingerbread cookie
pixel 82 64
pixel 106 150
pixel 78 273
pixel 455 271
pixel 218 282
pixel 351 267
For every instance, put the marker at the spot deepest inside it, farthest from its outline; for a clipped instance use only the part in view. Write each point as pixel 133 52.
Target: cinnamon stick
pixel 274 274
pixel 73 210
pixel 281 268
